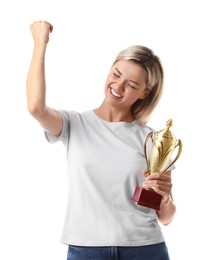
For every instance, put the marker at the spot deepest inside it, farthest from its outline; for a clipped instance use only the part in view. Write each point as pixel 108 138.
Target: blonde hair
pixel 145 57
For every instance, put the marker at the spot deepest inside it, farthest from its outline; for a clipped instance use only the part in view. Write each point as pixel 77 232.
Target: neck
pixel 113 114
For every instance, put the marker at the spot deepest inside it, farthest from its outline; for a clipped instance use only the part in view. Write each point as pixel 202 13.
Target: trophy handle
pixel 179 144
pixel 145 149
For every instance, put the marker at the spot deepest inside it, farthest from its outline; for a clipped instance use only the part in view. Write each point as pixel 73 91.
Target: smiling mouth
pixel 115 94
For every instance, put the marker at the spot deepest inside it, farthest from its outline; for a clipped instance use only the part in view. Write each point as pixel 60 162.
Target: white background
pixel 87 35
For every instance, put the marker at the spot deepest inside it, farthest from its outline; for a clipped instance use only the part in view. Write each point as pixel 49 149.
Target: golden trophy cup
pixel 163 145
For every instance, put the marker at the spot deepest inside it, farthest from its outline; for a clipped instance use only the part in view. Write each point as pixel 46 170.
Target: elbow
pixel 166 222
pixel 36 110
pixel 166 218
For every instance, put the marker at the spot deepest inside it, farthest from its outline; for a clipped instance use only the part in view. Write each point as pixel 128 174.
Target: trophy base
pixel 147 198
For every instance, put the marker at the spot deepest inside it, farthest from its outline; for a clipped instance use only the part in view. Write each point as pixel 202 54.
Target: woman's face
pixel 125 84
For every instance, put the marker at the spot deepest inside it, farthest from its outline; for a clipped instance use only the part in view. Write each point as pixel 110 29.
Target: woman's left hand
pixel 160 183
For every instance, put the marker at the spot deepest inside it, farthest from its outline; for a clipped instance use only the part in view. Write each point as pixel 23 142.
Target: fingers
pixel 162 190
pixel 146 173
pixel 158 180
pixel 160 183
pixel 42 23
pixel 41 30
pixel 49 25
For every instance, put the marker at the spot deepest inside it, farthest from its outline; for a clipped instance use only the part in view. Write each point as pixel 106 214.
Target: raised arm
pixel 50 119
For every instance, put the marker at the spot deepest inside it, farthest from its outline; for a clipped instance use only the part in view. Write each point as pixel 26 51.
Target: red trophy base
pixel 147 198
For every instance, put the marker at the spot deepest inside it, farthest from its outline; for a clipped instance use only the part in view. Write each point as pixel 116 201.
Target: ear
pixel 144 95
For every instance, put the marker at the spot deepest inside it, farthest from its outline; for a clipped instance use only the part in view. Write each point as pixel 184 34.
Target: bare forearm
pixel 161 183
pixel 50 119
pixel 167 211
pixel 36 85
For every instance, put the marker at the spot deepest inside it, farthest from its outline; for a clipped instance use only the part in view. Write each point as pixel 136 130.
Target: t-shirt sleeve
pixel 64 135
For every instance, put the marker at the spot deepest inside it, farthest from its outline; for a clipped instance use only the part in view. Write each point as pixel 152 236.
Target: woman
pixel 105 158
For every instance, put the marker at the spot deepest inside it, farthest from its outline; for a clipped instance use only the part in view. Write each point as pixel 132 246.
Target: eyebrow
pixel 118 71
pixel 129 80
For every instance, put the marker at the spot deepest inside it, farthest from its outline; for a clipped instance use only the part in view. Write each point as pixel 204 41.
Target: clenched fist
pixel 40 31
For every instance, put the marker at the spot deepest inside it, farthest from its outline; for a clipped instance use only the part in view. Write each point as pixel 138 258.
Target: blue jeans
pixel 150 252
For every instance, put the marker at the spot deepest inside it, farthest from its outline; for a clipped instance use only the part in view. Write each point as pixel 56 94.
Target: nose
pixel 120 85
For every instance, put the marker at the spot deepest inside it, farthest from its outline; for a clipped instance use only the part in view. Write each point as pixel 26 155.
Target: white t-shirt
pixel 105 163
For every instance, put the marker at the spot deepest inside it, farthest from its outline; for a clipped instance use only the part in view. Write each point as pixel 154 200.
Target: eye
pixel 116 75
pixel 133 87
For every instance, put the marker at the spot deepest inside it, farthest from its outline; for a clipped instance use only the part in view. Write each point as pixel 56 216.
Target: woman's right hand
pixel 40 31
